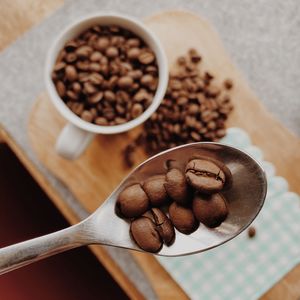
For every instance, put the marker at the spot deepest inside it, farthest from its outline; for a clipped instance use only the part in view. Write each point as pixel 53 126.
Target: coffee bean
pixel 183 218
pixel 211 210
pixel 133 42
pixel 147 80
pixel 109 96
pixel 164 226
pixel 95 78
pixel 155 190
pixel 71 73
pixel 97 97
pixel 125 82
pixel 77 108
pixel 176 186
pixel 87 116
pixel 251 232
pixel 76 87
pixel 133 53
pixel 137 110
pixel 89 88
pixel 112 52
pixel 101 121
pixel 82 65
pixel 146 58
pixel 132 201
pixel 72 95
pixel 102 43
pixel 140 95
pixel 95 67
pixel 228 84
pixel 205 176
pixel 84 51
pixel 61 89
pixel 95 56
pixel 145 234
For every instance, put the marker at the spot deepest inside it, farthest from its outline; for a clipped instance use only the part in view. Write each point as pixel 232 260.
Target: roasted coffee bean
pixel 76 87
pixel 155 190
pixel 136 110
pixel 101 121
pixel 89 88
pixel 251 232
pixel 211 210
pixel 145 234
pixel 97 97
pixel 95 56
pixel 222 166
pixel 102 43
pixel 205 176
pixel 163 224
pixel 183 218
pixel 84 51
pixel 176 186
pixel 61 89
pixel 133 53
pixel 72 95
pixel 125 82
pixel 146 58
pixel 87 116
pixel 132 201
pixel 112 52
pixel 228 84
pixel 71 73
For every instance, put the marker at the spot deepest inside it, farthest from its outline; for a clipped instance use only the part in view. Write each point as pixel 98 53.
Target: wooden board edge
pixel 98 251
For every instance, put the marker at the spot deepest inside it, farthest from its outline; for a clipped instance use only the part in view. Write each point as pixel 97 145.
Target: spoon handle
pixel 24 253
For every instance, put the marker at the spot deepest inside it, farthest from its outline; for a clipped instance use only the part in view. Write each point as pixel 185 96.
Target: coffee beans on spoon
pixel 107 75
pixel 193 194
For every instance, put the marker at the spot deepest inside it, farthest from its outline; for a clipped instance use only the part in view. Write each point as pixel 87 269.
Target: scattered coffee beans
pixel 195 192
pixel 107 75
pixel 194 109
pixel 211 210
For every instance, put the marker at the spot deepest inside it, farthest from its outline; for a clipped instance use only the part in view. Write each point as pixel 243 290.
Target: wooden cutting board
pixel 93 176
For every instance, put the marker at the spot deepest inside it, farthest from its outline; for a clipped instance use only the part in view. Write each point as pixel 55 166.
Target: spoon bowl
pixel 245 199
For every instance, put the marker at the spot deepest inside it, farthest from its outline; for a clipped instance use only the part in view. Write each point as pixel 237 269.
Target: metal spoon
pixel 245 199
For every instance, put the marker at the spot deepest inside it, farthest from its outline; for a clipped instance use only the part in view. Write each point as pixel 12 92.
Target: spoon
pixel 245 199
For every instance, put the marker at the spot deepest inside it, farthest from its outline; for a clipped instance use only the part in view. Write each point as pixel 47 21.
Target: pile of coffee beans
pixel 194 109
pixel 180 198
pixel 107 75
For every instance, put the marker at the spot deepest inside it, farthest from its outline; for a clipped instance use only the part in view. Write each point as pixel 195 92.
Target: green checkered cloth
pixel 246 268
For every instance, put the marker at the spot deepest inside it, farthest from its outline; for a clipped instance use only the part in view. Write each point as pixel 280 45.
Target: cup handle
pixel 72 141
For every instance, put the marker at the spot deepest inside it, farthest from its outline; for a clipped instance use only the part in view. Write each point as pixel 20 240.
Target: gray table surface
pixel 262 37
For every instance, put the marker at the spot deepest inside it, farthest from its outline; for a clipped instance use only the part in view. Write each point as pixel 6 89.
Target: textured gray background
pixel 262 37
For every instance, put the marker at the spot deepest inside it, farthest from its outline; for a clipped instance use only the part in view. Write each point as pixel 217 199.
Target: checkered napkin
pixel 246 268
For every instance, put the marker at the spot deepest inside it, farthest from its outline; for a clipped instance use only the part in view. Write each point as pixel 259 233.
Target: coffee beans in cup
pixel 182 198
pixel 107 75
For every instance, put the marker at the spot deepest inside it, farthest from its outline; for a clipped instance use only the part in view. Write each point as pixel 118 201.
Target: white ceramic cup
pixel 77 134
